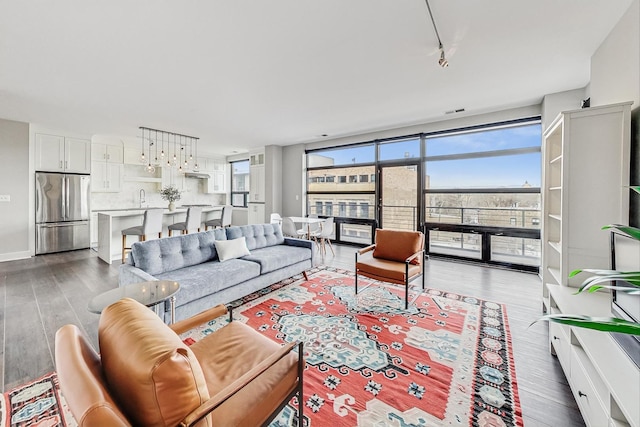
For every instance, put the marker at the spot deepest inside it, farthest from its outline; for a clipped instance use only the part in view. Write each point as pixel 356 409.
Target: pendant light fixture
pixel 181 156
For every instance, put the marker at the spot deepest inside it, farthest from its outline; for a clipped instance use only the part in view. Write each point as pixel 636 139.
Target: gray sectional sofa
pixel 192 261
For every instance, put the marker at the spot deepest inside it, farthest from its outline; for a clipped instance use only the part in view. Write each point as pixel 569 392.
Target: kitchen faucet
pixel 142 197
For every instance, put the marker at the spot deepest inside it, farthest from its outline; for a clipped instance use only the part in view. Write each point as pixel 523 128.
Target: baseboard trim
pixel 12 256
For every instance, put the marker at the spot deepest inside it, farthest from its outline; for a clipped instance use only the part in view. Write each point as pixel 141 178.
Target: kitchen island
pixel 111 222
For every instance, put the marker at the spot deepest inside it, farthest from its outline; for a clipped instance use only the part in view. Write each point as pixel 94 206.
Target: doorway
pixel 399 201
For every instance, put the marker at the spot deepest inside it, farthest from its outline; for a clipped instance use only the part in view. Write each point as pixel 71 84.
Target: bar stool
pixel 194 217
pixel 152 223
pixel 223 221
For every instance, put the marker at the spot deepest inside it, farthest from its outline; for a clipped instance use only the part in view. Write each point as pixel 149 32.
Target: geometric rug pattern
pixel 446 361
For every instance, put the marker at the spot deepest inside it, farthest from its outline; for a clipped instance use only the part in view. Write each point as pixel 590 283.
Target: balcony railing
pixel 494 217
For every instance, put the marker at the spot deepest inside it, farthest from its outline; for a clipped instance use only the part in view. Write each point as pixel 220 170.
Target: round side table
pixel 151 294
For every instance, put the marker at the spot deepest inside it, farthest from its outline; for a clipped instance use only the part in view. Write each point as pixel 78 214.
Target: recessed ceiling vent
pixel 457 110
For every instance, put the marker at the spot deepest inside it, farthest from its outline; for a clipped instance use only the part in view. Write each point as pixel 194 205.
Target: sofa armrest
pixel 298 242
pixel 302 243
pixel 130 274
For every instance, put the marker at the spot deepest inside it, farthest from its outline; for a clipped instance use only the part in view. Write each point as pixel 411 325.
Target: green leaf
pixel 635 188
pixel 629 231
pixel 604 324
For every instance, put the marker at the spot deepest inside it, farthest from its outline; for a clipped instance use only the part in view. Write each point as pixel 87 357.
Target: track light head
pixel 443 61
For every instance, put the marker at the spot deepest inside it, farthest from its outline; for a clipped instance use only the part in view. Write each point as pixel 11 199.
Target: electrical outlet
pixel 5 198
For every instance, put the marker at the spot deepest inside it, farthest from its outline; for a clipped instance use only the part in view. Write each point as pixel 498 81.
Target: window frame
pixel 244 194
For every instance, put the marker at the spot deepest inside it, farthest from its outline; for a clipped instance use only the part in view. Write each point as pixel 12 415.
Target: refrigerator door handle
pixel 65 197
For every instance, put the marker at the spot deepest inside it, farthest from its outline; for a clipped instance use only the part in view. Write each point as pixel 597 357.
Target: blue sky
pixel 503 171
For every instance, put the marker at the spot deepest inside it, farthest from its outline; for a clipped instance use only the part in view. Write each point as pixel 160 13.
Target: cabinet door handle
pixel 108 156
pixel 555 337
pixel 581 394
pixel 60 164
pixel 104 156
pixel 66 164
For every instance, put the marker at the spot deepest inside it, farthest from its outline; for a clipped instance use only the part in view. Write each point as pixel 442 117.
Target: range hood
pixel 197 175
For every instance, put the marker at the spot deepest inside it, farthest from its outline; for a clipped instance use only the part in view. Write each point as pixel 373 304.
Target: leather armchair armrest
pixel 187 324
pixel 367 249
pixel 414 256
pixel 224 394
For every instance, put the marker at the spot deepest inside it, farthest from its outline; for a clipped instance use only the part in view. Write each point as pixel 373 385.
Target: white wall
pixel 15 179
pixel 615 66
pixel 555 103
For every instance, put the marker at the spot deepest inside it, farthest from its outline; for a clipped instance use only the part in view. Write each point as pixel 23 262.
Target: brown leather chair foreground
pixel 396 257
pixel 145 375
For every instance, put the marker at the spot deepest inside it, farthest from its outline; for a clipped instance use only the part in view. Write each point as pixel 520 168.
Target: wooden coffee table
pixel 151 294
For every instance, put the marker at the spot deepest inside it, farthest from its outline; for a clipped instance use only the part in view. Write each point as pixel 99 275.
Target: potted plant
pixel 605 279
pixel 171 194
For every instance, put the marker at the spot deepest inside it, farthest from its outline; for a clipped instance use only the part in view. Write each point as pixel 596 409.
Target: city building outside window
pixel 240 183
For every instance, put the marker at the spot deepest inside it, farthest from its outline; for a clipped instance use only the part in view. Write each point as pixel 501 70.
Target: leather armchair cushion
pixel 385 270
pixel 397 245
pixel 79 368
pixel 227 354
pixel 154 377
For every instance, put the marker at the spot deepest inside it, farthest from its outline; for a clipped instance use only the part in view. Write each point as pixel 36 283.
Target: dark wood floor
pixel 39 295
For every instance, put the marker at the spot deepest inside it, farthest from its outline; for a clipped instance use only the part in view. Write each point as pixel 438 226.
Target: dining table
pixel 308 221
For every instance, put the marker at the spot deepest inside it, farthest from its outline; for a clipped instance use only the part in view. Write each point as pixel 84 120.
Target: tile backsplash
pixel 129 197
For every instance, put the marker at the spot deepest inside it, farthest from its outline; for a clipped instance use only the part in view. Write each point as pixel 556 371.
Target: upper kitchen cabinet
pixel 107 153
pixel 217 170
pixel 56 153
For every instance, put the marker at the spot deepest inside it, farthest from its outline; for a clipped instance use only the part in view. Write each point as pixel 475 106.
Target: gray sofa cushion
pixel 172 253
pixel 204 279
pixel 257 235
pixel 275 257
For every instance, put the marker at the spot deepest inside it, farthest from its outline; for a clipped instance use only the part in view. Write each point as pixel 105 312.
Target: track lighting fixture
pixel 442 61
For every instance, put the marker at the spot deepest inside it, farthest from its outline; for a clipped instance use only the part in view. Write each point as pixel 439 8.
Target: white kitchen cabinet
pixel 106 177
pixel 217 170
pixel 107 153
pixel 256 213
pixel 257 183
pixel 55 153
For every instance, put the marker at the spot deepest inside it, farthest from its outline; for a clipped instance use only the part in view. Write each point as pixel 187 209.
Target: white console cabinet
pixel 604 380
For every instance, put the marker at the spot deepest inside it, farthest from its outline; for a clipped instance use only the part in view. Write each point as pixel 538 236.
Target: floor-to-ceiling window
pixel 240 183
pixel 482 193
pixel 475 191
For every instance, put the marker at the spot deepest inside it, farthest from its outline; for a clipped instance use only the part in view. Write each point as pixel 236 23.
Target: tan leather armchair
pixel 145 375
pixel 396 257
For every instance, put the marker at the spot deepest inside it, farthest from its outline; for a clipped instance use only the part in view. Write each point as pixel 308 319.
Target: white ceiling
pixel 247 73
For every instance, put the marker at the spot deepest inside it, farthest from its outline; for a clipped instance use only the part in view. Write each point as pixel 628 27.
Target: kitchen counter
pixel 111 222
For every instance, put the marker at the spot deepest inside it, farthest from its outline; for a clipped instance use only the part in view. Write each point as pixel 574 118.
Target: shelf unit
pixel 585 171
pixel 584 183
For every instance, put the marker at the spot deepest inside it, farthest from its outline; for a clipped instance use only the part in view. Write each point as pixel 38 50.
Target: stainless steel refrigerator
pixel 62 212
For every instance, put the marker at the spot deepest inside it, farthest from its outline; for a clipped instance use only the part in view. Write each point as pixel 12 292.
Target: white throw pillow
pixel 229 249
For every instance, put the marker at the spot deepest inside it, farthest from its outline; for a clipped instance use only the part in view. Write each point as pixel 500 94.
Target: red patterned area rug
pixel 447 361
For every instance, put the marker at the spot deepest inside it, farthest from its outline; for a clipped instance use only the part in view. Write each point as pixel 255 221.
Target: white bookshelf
pixel 584 183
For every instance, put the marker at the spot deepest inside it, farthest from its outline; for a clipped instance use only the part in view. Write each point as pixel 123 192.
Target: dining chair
pixel 276 218
pixel 151 224
pixel 194 219
pixel 310 229
pixel 323 236
pixel 289 227
pixel 223 221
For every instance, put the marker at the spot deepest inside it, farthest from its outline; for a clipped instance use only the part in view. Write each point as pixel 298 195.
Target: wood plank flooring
pixel 40 294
